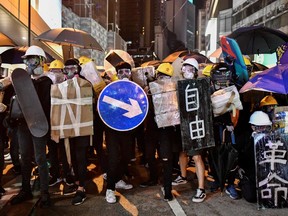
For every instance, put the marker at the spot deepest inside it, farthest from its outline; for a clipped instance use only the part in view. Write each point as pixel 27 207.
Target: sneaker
pixel 200 196
pixel 148 183
pixel 21 197
pixel 167 195
pixel 231 191
pixel 45 200
pixel 179 180
pixel 69 180
pixel 53 181
pixel 110 196
pixel 70 190
pixel 123 185
pixel 79 197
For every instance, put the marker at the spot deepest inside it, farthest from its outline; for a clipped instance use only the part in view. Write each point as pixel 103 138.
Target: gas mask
pixel 71 71
pixel 33 64
pixel 188 72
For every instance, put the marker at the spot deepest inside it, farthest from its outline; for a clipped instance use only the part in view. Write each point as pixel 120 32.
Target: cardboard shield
pixel 195 114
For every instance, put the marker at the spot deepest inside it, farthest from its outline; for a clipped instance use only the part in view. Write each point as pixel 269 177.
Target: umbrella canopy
pixel 186 54
pixel 6 41
pixel 14 55
pixel 216 54
pixel 116 56
pixel 154 63
pixel 274 79
pixel 258 39
pixel 70 37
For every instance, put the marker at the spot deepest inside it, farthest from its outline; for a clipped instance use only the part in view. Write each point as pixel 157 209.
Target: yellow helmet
pixel 84 60
pixel 165 68
pixel 268 100
pixel 56 64
pixel 247 61
pixel 206 71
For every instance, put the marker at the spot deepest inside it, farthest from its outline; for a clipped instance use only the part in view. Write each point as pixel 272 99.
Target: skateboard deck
pixel 29 103
pixel 230 48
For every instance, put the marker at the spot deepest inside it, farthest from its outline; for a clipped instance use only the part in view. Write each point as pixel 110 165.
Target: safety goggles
pixel 124 73
pixel 32 61
pixel 70 69
pixel 188 69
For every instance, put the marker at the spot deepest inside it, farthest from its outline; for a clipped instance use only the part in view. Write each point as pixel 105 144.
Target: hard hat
pixel 34 51
pixel 268 100
pixel 165 68
pixel 191 61
pixel 247 61
pixel 206 71
pixel 56 64
pixel 260 118
pixel 84 60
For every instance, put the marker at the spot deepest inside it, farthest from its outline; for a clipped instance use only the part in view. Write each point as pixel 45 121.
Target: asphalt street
pixel 137 201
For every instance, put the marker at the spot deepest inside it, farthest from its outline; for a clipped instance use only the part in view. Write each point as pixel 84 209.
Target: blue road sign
pixel 122 105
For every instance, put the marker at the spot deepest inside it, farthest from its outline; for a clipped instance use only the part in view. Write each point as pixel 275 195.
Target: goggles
pixel 32 61
pixel 161 76
pixel 70 69
pixel 188 69
pixel 124 73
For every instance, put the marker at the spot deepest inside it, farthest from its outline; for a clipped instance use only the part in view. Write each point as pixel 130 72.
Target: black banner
pixel 271 170
pixel 195 114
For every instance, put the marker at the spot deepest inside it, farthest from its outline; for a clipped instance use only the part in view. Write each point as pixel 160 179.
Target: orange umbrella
pixel 6 41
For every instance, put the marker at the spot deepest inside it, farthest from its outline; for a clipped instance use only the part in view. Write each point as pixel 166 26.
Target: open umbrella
pixel 274 79
pixel 14 55
pixel 258 39
pixel 70 37
pixel 154 63
pixel 6 41
pixel 116 56
pixel 186 54
pixel 216 54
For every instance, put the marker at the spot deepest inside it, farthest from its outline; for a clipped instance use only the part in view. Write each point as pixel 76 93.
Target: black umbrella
pixel 14 55
pixel 258 39
pixel 223 158
pixel 70 37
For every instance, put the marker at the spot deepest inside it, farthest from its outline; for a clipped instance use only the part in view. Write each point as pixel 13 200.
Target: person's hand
pixel 230 128
pixel 3 107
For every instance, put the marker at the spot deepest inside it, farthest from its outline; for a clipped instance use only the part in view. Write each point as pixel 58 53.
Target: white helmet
pixel 260 118
pixel 35 51
pixel 193 62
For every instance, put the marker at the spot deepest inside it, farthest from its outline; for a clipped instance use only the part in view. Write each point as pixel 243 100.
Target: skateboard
pixel 29 103
pixel 230 49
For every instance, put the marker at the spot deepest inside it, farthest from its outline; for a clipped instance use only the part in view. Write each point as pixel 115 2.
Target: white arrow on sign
pixel 133 109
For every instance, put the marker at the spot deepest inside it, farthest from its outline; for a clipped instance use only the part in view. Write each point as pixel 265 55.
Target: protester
pixel 119 147
pixel 78 145
pixel 268 104
pixel 189 71
pixel 222 77
pixel 34 59
pixel 169 137
pixel 56 151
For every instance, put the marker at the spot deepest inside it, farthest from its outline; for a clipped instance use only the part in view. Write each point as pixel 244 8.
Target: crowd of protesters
pixel 157 145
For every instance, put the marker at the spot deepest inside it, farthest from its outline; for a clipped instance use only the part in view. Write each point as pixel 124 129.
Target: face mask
pixel 187 75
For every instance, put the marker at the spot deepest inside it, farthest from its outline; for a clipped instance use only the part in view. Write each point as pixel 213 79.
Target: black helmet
pixel 221 76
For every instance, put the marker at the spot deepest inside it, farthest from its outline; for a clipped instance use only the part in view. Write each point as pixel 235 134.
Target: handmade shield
pixel 271 170
pixel 195 114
